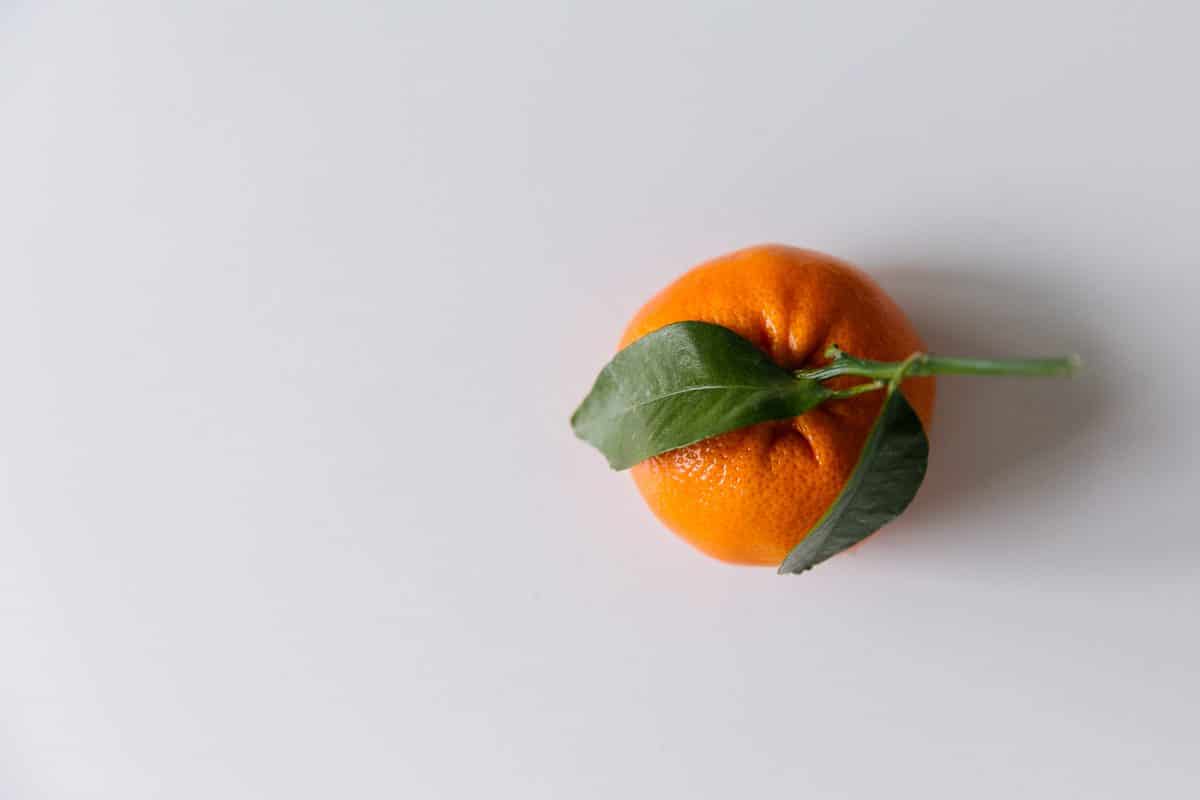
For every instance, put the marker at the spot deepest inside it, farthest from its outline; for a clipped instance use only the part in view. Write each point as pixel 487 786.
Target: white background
pixel 296 299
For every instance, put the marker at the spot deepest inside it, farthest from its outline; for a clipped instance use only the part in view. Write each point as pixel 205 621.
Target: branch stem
pixel 921 364
pixel 853 391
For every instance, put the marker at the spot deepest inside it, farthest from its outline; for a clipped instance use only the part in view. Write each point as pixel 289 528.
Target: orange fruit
pixel 748 496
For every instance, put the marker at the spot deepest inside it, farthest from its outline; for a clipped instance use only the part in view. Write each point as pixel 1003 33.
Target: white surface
pixel 297 298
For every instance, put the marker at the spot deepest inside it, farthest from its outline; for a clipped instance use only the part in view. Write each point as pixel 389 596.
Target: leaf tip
pixel 793 566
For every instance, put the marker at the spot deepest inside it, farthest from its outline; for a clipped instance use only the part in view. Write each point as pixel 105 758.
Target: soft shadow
pixel 1002 441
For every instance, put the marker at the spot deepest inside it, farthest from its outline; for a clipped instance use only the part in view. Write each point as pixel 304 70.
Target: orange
pixel 748 496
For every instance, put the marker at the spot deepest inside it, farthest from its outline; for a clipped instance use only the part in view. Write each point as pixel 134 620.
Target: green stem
pixel 862 388
pixel 921 364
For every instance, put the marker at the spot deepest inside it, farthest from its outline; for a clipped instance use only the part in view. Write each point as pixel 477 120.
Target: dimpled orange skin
pixel 748 496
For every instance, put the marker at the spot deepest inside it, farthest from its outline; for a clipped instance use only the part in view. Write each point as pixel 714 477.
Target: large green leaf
pixel 683 383
pixel 885 480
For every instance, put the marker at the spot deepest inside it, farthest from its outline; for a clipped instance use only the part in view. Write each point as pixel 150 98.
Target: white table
pixel 296 299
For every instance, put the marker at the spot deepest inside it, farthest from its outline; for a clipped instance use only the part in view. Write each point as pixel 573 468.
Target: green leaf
pixel 683 383
pixel 885 480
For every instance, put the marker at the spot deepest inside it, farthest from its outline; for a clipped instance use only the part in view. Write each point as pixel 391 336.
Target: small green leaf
pixel 683 383
pixel 885 480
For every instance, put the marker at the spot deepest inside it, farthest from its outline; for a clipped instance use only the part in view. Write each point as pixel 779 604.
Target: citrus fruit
pixel 748 496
